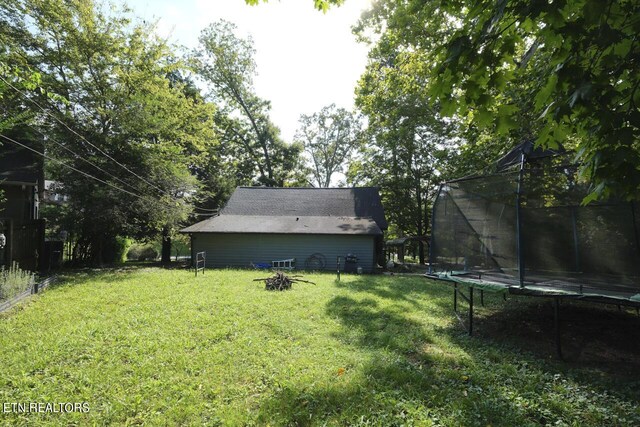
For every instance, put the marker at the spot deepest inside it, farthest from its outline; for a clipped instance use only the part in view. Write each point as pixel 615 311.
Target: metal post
pixel 574 224
pixel 471 311
pixel 455 297
pixel 635 226
pixel 433 226
pixel 338 268
pixel 35 288
pixel 556 324
pixel 519 248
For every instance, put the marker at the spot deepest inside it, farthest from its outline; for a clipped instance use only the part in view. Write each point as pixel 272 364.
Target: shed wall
pixel 240 250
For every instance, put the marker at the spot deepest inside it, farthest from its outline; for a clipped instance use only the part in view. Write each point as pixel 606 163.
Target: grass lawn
pixel 160 347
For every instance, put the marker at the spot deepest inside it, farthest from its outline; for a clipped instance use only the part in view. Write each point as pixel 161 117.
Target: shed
pixel 264 224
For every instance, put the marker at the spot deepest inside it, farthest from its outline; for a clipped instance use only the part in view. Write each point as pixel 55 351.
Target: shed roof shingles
pixel 285 225
pixel 359 202
pixel 298 211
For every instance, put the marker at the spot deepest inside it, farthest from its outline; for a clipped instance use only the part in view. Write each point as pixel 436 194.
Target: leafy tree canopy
pixel 125 118
pixel 568 67
pixel 322 5
pixel 225 61
pixel 329 138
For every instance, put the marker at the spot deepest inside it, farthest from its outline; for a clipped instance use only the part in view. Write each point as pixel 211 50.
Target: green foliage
pixel 543 70
pixel 122 248
pixel 329 137
pixel 152 346
pixel 14 281
pixel 322 5
pixel 142 252
pixel 409 144
pixel 126 108
pixel 225 61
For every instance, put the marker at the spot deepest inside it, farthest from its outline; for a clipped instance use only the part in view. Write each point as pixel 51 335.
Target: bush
pixel 14 281
pixel 142 253
pixel 115 249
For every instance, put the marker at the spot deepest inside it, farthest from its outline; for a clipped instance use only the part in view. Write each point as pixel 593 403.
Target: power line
pixel 94 146
pixel 82 137
pixel 68 165
pixel 48 138
pixel 141 197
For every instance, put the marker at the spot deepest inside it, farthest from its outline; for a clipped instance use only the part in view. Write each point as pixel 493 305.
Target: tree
pixel 576 62
pixel 225 61
pixel 408 141
pixel 322 5
pixel 125 119
pixel 329 137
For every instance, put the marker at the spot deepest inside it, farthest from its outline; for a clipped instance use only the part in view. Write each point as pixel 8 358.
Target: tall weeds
pixel 14 281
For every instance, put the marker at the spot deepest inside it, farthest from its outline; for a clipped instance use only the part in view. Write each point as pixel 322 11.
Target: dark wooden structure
pixel 22 183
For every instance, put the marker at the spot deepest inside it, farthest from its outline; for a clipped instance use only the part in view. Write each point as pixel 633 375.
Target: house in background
pixel 264 224
pixel 22 183
pixel 53 193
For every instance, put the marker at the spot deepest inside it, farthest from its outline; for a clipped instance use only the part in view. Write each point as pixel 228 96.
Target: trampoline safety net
pixel 529 228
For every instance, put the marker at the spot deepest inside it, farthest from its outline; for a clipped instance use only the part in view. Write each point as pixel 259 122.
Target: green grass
pixel 160 347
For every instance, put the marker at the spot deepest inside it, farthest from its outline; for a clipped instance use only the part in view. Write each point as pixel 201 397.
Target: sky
pixel 305 59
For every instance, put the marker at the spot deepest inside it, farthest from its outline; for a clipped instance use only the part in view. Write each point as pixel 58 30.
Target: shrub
pixel 115 249
pixel 14 281
pixel 142 253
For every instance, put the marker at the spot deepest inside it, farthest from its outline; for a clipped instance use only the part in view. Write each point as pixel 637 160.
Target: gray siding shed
pixel 265 224
pixel 240 250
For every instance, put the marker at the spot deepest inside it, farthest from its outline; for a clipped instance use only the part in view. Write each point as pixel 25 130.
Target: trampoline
pixel 525 231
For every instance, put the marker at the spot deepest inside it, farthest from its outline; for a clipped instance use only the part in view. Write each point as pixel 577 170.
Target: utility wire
pixel 82 137
pixel 139 196
pixel 48 138
pixel 24 95
pixel 68 165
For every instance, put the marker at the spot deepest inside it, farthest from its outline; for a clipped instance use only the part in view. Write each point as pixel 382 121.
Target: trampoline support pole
pixel 576 241
pixel 556 325
pixel 433 227
pixel 455 297
pixel 471 311
pixel 481 297
pixel 519 239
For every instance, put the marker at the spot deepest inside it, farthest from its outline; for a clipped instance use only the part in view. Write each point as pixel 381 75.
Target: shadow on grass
pixel 436 374
pixel 410 289
pixel 592 336
pixel 403 379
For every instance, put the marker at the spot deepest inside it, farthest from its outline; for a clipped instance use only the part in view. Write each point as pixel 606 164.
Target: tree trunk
pixel 166 247
pixel 420 225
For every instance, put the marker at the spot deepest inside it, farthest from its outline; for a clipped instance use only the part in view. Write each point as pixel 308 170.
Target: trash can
pixel 350 263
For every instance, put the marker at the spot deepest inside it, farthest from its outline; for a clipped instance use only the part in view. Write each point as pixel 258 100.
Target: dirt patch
pixel 591 334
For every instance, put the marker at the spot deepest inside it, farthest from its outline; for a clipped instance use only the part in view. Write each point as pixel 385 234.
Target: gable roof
pixel 356 202
pixel 298 211
pixel 285 225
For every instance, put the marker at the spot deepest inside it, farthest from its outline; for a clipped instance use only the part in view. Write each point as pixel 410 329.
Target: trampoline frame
pixel 556 294
pixel 558 290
